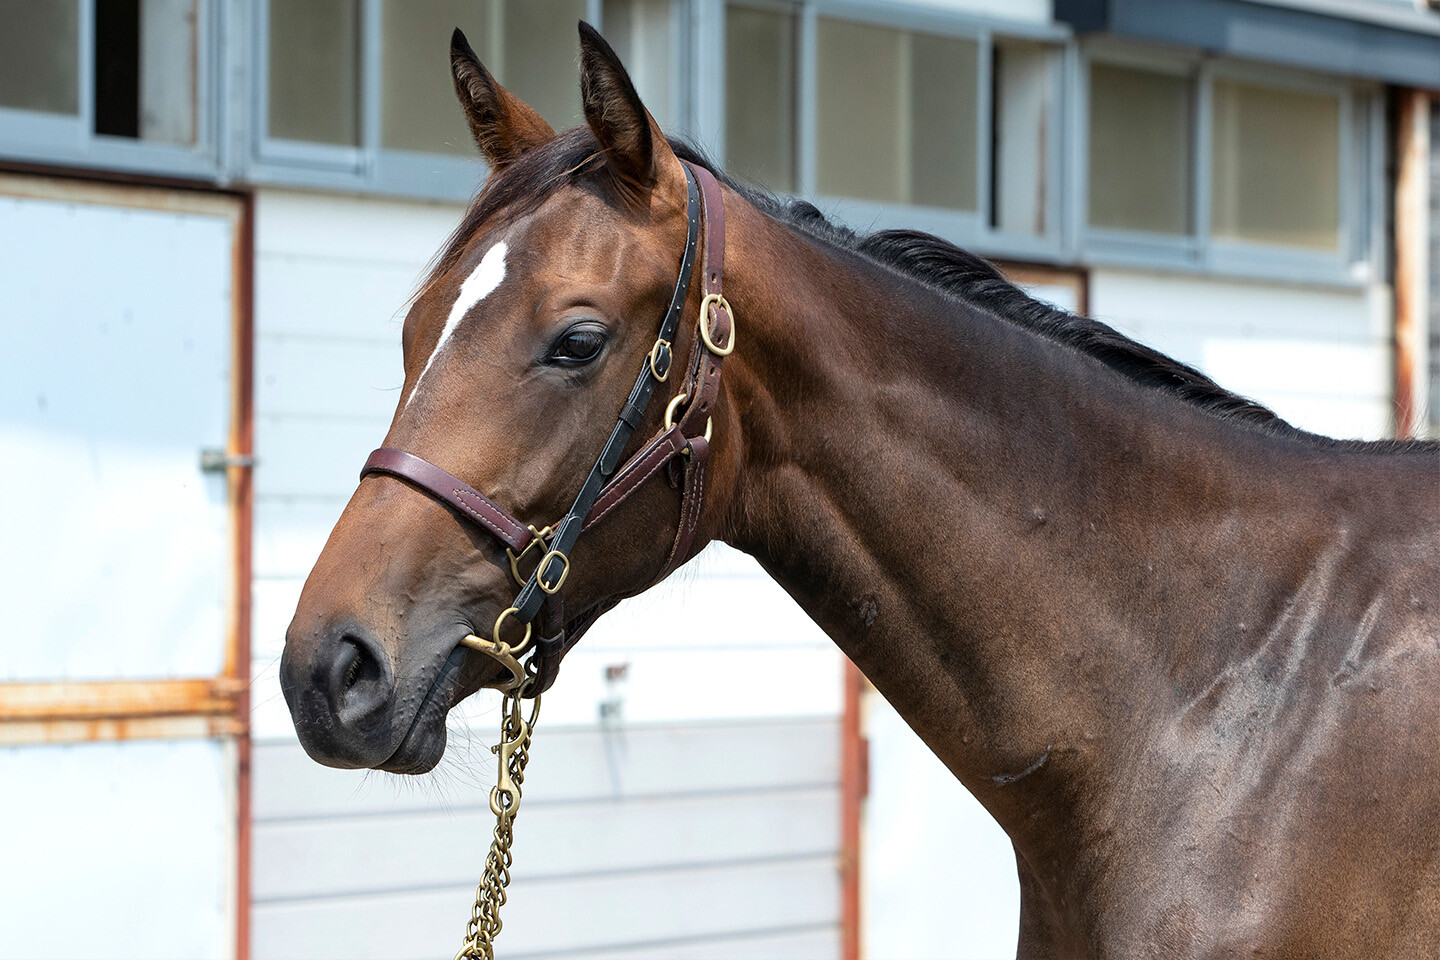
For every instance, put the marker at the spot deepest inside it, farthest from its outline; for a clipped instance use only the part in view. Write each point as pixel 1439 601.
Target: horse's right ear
pixel 504 126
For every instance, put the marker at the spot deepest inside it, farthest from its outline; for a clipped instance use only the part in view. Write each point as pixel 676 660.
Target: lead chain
pixel 514 752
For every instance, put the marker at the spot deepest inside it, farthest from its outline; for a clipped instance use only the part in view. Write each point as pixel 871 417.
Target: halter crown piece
pixel 609 482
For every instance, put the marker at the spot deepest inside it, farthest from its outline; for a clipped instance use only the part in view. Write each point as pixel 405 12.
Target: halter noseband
pixel 609 482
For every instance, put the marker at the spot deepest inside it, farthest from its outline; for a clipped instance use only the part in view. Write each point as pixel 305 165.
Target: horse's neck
pixel 994 529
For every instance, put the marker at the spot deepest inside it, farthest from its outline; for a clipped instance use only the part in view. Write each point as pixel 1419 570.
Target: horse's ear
pixel 504 126
pixel 636 152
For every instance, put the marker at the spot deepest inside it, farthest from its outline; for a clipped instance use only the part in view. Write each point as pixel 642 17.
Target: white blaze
pixel 481 282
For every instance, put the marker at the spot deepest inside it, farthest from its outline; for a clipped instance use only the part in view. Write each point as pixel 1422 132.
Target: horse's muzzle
pixel 341 692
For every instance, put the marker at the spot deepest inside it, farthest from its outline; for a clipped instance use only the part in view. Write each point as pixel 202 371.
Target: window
pixel 903 118
pixel 314 77
pixel 39 55
pixel 645 36
pixel 1140 149
pixel 359 93
pixel 145 69
pixel 530 47
pixel 761 67
pixel 1275 166
pixel 1024 91
pixel 1242 168
pixel 112 83
pixel 895 115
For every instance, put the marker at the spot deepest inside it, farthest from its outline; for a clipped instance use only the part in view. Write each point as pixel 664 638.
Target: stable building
pixel 212 216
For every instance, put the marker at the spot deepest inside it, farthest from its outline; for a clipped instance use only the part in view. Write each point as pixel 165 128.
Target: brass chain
pixel 513 751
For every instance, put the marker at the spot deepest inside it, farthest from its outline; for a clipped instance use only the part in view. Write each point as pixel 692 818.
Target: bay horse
pixel 1187 655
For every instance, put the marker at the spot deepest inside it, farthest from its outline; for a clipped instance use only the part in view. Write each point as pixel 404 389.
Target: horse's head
pixel 520 353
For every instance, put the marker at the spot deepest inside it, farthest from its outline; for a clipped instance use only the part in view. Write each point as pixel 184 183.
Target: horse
pixel 1186 654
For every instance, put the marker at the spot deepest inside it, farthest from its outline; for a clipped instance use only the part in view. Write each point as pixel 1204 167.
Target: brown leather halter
pixel 683 442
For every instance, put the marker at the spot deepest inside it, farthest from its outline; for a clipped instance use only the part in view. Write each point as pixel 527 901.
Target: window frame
pixel 970 228
pixel 70 139
pixel 371 167
pixel 1361 172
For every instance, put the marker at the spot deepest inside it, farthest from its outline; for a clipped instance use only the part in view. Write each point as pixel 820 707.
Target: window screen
pixel 1140 150
pixel 896 115
pixel 39 51
pixel 1276 166
pixel 529 45
pixel 314 86
pixel 419 110
pixel 760 96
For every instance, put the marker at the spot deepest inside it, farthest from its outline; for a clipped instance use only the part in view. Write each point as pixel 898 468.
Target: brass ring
pixel 524 643
pixel 540 574
pixel 678 399
pixel 717 300
pixel 709 422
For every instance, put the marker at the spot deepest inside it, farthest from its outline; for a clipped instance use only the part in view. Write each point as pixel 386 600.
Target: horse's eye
pixel 578 345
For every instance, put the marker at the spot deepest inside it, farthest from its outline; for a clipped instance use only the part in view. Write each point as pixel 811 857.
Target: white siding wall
pixel 701 822
pixel 1319 356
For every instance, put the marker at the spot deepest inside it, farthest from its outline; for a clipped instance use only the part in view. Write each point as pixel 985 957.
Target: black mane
pixel 572 158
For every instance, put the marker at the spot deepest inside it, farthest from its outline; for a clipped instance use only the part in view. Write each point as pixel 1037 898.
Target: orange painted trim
pixel 15 733
pixel 117 699
pixel 854 785
pixel 1411 244
pixel 242 494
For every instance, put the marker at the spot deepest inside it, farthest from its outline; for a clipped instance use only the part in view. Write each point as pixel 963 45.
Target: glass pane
pixel 1023 94
pixel 145 69
pixel 760 65
pixel 943 121
pixel 314 71
pixel 541 57
pixel 1140 125
pixel 862 140
pixel 640 32
pixel 1276 159
pixel 39 55
pixel 418 106
pixel 895 115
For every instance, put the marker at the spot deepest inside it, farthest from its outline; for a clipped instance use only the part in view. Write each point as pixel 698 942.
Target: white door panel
pixel 117 850
pixel 115 327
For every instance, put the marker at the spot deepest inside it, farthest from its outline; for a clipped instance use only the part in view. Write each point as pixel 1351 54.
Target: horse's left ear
pixel 635 150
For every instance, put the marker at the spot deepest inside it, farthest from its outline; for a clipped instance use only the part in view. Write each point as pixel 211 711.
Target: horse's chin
pixel 419 752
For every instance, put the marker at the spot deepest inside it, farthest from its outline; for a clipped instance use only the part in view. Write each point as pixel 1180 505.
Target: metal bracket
pixel 213 460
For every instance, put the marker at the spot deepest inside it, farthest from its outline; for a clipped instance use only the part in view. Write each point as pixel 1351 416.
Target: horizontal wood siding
pixel 1320 357
pixel 700 821
pixel 631 840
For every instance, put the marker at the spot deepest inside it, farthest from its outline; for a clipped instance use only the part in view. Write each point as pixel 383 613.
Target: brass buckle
pixel 538 537
pixel 540 573
pixel 669 359
pixel 670 417
pixel 715 299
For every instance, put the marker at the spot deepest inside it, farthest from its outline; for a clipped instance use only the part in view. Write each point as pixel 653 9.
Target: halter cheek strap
pixel 681 445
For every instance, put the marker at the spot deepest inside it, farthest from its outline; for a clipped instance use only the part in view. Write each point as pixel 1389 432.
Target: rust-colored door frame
pixel 85 711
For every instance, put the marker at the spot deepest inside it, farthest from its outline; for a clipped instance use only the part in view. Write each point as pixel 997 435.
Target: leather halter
pixel 684 443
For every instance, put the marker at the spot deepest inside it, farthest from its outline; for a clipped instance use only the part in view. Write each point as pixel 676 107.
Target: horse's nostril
pixel 362 689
